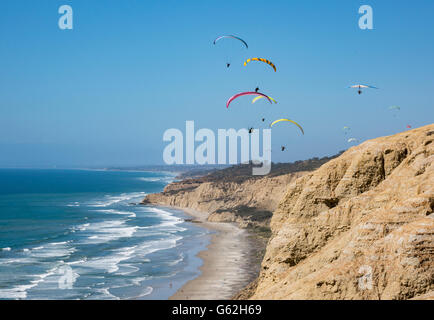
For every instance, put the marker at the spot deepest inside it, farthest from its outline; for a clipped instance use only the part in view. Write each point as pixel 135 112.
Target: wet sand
pixel 229 263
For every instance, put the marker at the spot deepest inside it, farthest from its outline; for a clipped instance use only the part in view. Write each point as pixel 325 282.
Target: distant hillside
pixel 185 169
pixel 242 172
pixel 236 173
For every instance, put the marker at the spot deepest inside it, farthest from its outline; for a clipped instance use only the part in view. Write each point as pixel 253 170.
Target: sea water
pixel 80 234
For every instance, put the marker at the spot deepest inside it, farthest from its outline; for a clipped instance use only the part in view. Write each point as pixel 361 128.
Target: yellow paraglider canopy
pixel 260 97
pixel 262 60
pixel 288 120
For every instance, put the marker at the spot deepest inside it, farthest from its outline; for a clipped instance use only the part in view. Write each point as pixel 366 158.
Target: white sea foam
pixel 105 231
pixel 149 247
pixel 175 262
pixel 110 200
pixel 108 263
pixel 146 292
pixel 104 293
pixel 117 259
pixel 17 292
pixel 21 291
pixel 128 213
pixel 60 243
pixel 149 179
pixel 6 249
pixel 137 281
pixel 127 269
pixel 53 250
pixel 77 261
pixel 169 222
pixel 74 204
pixel 17 260
pixel 81 227
pixel 155 179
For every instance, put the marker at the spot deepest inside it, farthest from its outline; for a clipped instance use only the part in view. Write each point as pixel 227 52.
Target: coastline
pixel 229 263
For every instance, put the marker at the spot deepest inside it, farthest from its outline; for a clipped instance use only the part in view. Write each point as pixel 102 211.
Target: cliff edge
pixel 359 227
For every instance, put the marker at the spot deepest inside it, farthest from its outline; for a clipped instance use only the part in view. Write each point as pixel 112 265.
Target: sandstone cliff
pixel 249 203
pixel 359 227
pixel 233 194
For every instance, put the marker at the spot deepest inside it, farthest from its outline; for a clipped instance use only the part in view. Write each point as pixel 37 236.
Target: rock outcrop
pixel 359 227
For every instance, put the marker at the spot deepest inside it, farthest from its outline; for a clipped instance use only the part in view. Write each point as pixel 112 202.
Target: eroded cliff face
pixel 359 227
pixel 249 203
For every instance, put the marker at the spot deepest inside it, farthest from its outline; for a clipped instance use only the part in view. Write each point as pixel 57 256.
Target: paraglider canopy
pixel 244 94
pixel 238 41
pixel 232 37
pixel 262 60
pixel 287 120
pixel 260 97
pixel 394 108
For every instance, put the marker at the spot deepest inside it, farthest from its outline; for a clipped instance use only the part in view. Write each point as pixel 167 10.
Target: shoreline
pixel 229 263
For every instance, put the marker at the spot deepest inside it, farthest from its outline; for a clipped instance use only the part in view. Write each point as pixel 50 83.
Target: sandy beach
pixel 229 263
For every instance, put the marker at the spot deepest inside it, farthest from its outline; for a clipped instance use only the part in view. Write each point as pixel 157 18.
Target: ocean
pixel 79 234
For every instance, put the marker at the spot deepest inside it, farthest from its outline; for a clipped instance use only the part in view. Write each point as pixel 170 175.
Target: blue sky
pixel 104 93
